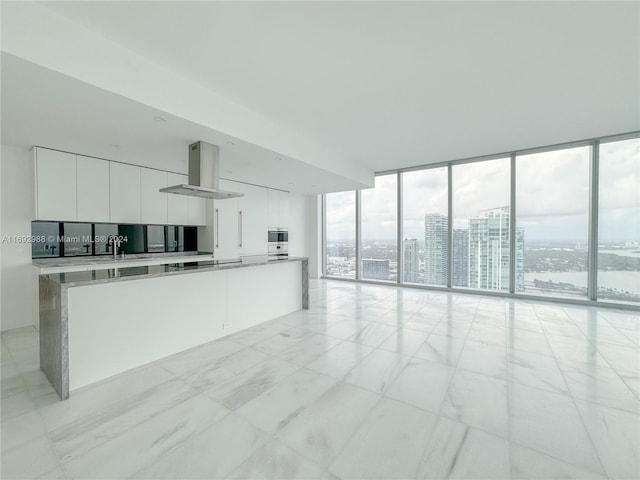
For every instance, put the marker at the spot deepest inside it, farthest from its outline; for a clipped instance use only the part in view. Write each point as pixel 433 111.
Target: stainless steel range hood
pixel 204 174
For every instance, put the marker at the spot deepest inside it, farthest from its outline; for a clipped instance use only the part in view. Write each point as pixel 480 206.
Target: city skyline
pixel 481 258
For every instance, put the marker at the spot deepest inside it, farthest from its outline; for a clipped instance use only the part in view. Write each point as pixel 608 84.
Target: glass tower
pixel 411 260
pixel 436 248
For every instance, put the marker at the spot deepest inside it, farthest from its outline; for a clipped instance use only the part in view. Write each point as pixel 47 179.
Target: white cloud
pixel 552 196
pixel 425 191
pixel 380 209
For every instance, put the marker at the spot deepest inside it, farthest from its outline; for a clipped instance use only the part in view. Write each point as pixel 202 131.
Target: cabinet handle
pixel 240 226
pixel 217 228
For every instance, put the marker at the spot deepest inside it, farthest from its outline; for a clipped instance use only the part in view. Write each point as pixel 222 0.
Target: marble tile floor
pixel 373 382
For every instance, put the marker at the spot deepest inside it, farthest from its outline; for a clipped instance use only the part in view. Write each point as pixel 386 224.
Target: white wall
pixel 298 225
pixel 18 209
pixel 305 230
pixel 314 235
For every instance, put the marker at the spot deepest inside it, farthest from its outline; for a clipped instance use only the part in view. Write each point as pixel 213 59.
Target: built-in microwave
pixel 278 242
pixel 278 235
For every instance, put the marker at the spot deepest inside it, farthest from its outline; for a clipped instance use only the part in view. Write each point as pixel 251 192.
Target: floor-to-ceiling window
pixel 379 231
pixel 425 226
pixel 552 214
pixel 340 249
pixel 532 228
pixel 481 216
pixel 619 221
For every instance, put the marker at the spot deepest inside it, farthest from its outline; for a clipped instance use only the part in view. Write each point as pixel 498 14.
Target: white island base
pixel 115 325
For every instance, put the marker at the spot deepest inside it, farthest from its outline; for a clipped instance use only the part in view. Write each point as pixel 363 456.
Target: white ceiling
pixel 393 84
pixel 45 108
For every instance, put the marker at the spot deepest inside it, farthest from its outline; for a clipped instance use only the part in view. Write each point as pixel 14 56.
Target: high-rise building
pixel 375 269
pixel 436 248
pixel 519 259
pixel 411 260
pixel 460 257
pixel 489 249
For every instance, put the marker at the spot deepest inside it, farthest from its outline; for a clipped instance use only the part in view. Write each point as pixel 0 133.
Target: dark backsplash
pixel 71 239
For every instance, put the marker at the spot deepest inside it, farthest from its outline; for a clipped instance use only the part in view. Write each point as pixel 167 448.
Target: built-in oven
pixel 278 242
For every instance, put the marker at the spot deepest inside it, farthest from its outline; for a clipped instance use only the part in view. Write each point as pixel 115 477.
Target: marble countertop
pixel 100 259
pixel 92 277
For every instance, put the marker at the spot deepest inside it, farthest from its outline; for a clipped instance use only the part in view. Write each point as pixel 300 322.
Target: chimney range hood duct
pixel 204 174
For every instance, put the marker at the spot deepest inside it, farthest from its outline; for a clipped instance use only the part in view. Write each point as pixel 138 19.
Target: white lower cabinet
pixel 114 327
pixel 108 335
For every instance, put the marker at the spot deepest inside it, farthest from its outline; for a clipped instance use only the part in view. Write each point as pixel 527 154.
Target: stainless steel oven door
pixel 278 248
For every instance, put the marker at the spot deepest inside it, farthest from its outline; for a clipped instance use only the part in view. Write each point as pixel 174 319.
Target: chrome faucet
pixel 115 242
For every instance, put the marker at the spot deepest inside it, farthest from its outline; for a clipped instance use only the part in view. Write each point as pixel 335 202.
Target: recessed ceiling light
pixel 159 119
pixel 230 143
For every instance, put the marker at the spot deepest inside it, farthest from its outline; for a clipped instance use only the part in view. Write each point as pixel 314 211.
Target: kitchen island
pixel 98 323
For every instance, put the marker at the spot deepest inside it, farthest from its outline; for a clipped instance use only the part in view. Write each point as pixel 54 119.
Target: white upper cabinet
pixel 153 203
pixel 73 187
pixel 55 185
pixel 124 193
pixel 278 209
pixel 92 189
pixel 177 205
pixel 283 209
pixel 273 208
pixel 197 211
pixel 253 217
